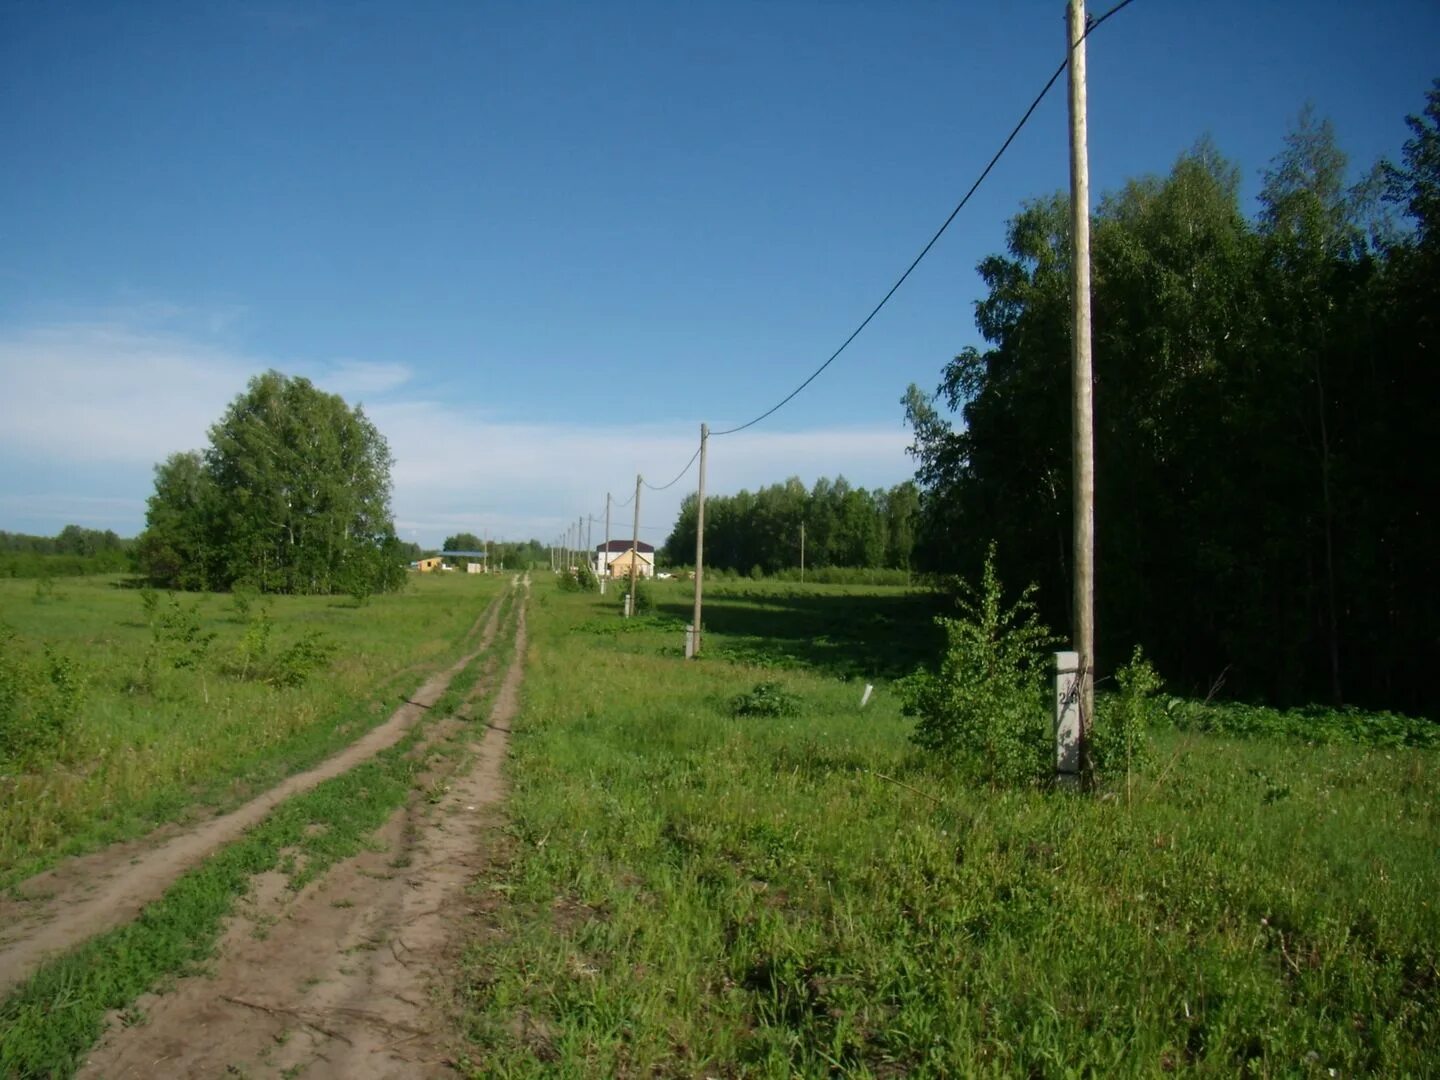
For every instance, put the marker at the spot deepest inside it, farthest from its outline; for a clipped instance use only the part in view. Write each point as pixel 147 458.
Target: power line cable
pixel 1090 28
pixel 677 479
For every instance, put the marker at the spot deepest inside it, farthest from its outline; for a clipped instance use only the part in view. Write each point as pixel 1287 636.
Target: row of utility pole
pixel 1074 757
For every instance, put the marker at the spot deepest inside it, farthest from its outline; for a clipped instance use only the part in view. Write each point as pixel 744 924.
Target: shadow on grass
pixel 849 636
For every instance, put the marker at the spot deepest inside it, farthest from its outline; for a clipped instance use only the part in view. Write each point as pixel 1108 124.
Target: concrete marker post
pixel 1067 718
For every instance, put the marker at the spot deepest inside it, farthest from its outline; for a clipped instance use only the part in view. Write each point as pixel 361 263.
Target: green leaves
pixel 1264 401
pixel 39 701
pixel 291 496
pixel 985 707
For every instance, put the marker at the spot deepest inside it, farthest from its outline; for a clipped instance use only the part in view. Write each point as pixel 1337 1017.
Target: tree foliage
pixel 291 496
pixel 844 526
pixel 1263 394
pixel 73 551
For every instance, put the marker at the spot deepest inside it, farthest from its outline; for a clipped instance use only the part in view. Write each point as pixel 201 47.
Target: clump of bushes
pixel 765 699
pixel 40 699
pixel 1120 737
pixel 989 708
pixel 291 666
pixel 985 709
pixel 644 596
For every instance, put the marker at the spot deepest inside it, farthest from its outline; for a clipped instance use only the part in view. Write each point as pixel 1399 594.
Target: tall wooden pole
pixel 1082 385
pixel 700 539
pixel 603 569
pixel 579 538
pixel 802 553
pixel 635 544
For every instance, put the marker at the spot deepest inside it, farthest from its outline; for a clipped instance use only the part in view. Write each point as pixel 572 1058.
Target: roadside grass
pixel 49 1023
pixel 153 743
pixel 687 891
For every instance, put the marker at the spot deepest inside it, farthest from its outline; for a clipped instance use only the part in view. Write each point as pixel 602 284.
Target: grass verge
pixel 692 892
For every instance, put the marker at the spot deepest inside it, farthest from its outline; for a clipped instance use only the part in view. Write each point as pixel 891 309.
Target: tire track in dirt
pixel 338 980
pixel 54 912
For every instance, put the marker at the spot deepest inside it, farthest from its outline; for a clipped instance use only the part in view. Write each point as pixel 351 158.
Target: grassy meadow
pixel 691 892
pixel 160 707
pixel 49 1023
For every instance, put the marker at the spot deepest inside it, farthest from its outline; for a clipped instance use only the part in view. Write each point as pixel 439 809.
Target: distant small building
pixel 614 559
pixel 474 568
pixel 426 566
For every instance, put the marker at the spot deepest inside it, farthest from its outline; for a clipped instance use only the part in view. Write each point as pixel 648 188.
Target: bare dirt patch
pixel 84 896
pixel 342 978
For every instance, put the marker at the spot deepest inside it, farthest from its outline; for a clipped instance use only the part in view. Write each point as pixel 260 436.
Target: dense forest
pixel 1265 394
pixel 844 526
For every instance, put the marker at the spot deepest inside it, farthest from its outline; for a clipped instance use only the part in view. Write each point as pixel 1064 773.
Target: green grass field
pixel 684 891
pixel 691 893
pixel 150 743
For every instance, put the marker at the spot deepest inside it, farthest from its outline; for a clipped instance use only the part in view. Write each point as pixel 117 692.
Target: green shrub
pixel 986 709
pixel 179 638
pixel 644 597
pixel 242 601
pixel 295 664
pixel 585 579
pixel 766 699
pixel 39 702
pixel 1120 737
pixel 150 602
pixel 254 647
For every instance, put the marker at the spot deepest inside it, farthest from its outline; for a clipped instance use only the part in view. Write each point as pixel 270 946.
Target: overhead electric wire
pixel 672 483
pixel 1089 29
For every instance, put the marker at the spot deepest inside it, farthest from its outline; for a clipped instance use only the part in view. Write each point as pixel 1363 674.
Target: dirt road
pixel 335 978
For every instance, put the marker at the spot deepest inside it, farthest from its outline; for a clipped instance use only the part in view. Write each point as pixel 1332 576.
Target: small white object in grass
pixel 865 697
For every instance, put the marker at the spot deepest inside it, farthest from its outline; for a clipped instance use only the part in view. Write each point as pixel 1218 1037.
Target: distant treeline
pixel 73 551
pixel 506 554
pixel 1266 395
pixel 843 525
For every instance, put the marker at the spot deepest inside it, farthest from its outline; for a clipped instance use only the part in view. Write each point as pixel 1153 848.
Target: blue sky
pixel 542 241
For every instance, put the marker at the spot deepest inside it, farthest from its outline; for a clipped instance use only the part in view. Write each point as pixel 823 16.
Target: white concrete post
pixel 1067 716
pixel 689 642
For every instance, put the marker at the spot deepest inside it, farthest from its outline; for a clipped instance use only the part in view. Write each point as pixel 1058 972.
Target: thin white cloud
pixel 93 399
pixel 355 379
pixel 107 394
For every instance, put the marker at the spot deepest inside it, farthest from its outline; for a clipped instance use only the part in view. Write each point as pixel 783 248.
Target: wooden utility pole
pixel 579 538
pixel 802 553
pixel 635 546
pixel 1082 384
pixel 603 569
pixel 700 540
